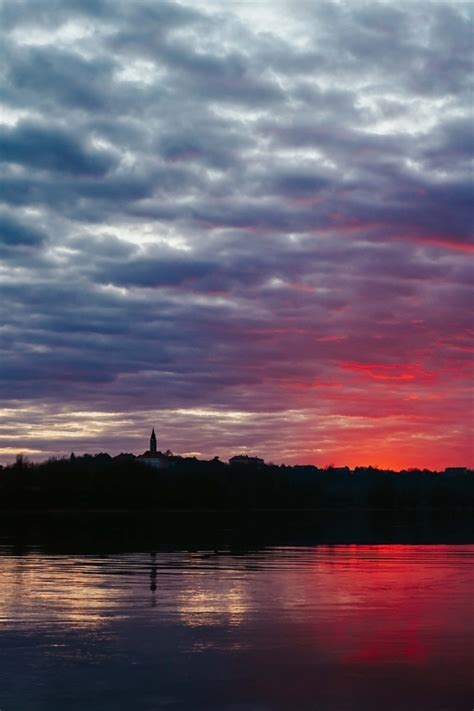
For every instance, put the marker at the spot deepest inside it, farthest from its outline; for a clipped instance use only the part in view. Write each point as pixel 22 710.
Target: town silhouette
pixel 163 480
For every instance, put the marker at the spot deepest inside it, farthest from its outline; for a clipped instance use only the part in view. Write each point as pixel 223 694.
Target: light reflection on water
pixel 334 628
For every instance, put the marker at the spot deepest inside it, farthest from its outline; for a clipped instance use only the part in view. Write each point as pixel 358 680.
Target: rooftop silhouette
pixel 164 480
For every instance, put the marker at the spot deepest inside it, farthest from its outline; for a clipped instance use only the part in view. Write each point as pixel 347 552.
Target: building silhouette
pixel 245 460
pixel 153 443
pixel 154 458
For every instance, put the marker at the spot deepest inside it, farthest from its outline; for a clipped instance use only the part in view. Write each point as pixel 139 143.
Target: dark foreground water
pixel 323 627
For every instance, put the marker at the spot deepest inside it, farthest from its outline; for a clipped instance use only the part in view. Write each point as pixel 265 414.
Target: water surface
pixel 326 628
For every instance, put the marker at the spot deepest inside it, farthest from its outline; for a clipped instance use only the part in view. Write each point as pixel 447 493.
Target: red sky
pixel 247 226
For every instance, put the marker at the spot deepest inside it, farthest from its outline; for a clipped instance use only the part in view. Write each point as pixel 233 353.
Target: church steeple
pixel 153 443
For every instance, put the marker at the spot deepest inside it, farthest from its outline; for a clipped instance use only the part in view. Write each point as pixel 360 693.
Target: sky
pixel 247 224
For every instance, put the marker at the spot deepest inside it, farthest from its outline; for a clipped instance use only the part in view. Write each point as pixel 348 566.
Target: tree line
pixel 125 482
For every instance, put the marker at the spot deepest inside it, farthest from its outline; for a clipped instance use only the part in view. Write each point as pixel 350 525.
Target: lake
pixel 331 627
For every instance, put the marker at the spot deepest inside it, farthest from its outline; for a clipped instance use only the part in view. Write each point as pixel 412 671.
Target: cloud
pixel 39 146
pixel 239 209
pixel 14 233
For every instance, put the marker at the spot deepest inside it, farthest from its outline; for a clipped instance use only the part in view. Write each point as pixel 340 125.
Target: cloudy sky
pixel 244 223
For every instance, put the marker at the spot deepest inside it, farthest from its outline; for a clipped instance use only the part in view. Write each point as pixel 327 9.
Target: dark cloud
pixel 248 226
pixel 56 77
pixel 39 146
pixel 15 233
pixel 155 273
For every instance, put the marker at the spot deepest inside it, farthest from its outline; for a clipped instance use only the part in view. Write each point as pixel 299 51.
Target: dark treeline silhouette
pixel 125 482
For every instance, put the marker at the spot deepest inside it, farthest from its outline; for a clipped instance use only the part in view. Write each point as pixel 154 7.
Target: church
pixel 153 457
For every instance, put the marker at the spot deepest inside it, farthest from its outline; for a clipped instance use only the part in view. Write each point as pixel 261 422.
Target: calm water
pixel 324 628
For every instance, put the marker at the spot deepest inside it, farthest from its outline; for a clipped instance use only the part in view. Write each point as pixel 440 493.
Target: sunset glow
pixel 248 225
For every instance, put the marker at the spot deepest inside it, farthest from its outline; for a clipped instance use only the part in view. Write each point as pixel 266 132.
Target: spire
pixel 153 442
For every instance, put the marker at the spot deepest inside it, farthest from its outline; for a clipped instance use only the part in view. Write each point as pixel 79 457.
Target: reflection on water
pixel 330 628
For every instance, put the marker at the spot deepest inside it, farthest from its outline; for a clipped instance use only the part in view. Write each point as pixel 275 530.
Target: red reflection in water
pixel 370 627
pixel 390 646
pixel 392 614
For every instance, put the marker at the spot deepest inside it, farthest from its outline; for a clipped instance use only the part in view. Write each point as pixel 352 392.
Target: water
pixel 326 628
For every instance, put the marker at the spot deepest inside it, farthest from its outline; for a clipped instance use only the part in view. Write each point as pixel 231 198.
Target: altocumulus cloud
pixel 248 224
